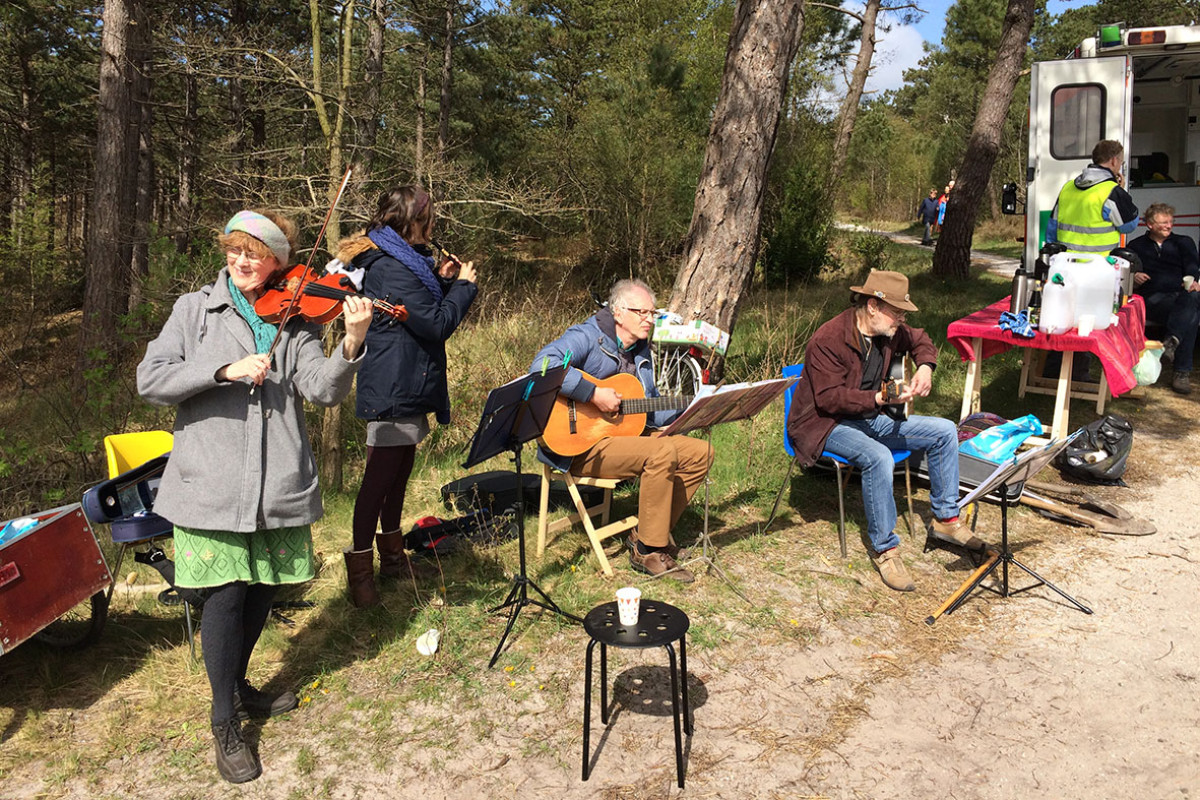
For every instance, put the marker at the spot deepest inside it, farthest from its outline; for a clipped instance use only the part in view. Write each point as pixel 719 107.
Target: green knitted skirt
pixel 214 558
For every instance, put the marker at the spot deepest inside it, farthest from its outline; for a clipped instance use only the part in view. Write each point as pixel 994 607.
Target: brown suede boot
pixel 393 561
pixel 360 578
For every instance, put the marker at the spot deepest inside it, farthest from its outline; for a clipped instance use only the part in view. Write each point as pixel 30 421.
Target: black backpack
pixel 1099 452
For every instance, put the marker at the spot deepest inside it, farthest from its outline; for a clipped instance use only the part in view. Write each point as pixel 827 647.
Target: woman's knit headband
pixel 264 230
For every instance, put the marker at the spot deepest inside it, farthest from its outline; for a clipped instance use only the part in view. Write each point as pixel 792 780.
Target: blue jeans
pixel 868 445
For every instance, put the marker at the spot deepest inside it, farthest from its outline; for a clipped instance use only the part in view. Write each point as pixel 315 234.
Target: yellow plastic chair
pixel 128 450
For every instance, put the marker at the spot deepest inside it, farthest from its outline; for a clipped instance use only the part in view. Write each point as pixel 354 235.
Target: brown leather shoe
pixel 957 532
pixel 892 570
pixel 658 563
pixel 236 762
pixel 673 550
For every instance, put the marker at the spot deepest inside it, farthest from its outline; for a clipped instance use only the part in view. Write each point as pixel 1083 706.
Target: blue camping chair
pixel 843 467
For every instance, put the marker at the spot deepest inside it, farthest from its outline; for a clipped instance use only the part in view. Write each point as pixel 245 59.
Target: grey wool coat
pixel 241 462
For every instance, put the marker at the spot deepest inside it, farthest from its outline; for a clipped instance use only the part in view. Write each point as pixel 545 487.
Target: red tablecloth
pixel 1118 346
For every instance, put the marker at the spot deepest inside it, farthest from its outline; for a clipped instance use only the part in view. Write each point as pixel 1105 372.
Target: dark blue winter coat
pixel 404 368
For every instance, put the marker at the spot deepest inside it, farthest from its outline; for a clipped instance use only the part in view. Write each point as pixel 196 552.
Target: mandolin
pixel 573 426
pixel 893 386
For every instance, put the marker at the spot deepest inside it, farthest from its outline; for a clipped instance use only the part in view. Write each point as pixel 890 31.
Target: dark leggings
pixel 381 496
pixel 232 620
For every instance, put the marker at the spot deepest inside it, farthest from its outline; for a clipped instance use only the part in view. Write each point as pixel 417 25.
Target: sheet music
pixel 1018 469
pixel 714 405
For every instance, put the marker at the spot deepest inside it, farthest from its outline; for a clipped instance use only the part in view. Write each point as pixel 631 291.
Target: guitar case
pixel 496 492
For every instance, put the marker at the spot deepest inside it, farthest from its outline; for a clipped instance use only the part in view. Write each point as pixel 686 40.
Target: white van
pixel 1139 86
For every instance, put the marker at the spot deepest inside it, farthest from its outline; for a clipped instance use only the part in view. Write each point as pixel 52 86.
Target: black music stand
pixel 1016 471
pixel 513 414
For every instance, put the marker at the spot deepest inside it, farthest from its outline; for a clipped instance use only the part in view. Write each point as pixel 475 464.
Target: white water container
pixel 1092 282
pixel 1058 304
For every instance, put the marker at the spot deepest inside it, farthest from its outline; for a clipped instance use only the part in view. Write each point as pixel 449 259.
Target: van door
pixel 1072 105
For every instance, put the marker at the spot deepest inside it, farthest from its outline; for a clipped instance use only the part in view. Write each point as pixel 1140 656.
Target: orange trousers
pixel 670 468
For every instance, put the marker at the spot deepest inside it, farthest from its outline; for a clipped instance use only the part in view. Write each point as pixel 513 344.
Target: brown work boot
pixel 360 578
pixel 658 562
pixel 956 532
pixel 892 570
pixel 1182 382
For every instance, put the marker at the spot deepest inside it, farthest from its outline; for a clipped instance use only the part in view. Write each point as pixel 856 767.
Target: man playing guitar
pixel 616 340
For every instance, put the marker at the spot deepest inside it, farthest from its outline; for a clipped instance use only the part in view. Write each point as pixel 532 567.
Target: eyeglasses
pixel 897 314
pixel 644 313
pixel 234 253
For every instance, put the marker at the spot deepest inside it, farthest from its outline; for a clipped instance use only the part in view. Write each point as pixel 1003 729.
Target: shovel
pixel 1101 515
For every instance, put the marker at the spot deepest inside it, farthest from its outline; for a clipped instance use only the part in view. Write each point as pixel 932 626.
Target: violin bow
pixel 292 304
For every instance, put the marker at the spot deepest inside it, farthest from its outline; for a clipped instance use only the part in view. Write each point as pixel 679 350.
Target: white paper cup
pixel 629 602
pixel 1087 324
pixel 1188 280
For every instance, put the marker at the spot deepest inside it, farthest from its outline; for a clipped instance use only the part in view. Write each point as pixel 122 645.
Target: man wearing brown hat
pixel 838 407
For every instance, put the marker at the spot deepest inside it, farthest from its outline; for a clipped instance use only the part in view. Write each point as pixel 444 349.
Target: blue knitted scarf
pixel 391 243
pixel 264 332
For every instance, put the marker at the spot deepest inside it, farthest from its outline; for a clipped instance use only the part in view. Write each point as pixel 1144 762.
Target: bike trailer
pixel 46 571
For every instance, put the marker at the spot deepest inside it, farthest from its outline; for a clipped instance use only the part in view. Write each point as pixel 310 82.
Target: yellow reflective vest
pixel 1081 223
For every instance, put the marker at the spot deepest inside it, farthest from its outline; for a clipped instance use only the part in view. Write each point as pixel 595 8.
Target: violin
pixel 315 298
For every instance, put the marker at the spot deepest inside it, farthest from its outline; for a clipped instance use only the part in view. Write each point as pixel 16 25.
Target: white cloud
pixel 898 50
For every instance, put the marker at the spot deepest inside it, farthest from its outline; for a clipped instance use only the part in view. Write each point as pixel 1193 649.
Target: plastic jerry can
pixel 1092 282
pixel 1058 305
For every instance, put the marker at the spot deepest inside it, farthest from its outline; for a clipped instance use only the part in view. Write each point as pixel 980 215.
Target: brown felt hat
pixel 890 287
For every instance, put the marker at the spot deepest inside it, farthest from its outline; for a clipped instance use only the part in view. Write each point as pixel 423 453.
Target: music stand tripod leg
pixel 1006 558
pixel 705 540
pixel 518 596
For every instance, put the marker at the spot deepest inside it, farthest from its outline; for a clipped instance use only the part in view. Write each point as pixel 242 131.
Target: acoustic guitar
pixel 573 426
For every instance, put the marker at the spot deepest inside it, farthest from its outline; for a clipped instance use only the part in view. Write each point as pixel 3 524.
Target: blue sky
pixel 901 48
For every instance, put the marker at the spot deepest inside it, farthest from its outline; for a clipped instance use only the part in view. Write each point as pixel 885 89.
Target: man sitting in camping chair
pixel 838 407
pixel 617 340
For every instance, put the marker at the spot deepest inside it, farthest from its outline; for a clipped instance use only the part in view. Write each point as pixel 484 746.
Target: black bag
pixel 497 492
pixel 1099 452
pixel 432 535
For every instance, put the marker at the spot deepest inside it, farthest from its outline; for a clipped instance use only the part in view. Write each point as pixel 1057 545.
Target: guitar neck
pixel 647 405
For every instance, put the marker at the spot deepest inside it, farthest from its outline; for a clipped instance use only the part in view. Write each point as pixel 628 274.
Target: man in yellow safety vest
pixel 1093 209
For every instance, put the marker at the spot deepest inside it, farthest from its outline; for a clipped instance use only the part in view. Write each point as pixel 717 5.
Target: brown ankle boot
pixel 393 561
pixel 360 578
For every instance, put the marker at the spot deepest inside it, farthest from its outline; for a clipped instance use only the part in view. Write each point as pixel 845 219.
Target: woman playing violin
pixel 241 483
pixel 404 377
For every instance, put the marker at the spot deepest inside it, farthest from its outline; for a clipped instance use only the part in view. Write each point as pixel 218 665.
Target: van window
pixel 1076 120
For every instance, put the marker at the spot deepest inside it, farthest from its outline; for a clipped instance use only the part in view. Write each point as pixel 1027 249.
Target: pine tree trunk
pixel 722 242
pixel 368 114
pixel 447 82
pixel 419 134
pixel 858 80
pixel 187 161
pixel 109 233
pixel 143 210
pixel 952 257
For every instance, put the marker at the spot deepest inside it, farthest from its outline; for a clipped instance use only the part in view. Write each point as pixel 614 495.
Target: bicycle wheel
pixel 679 373
pixel 80 626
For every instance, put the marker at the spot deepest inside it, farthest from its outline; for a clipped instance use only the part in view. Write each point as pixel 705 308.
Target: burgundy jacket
pixel 827 391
